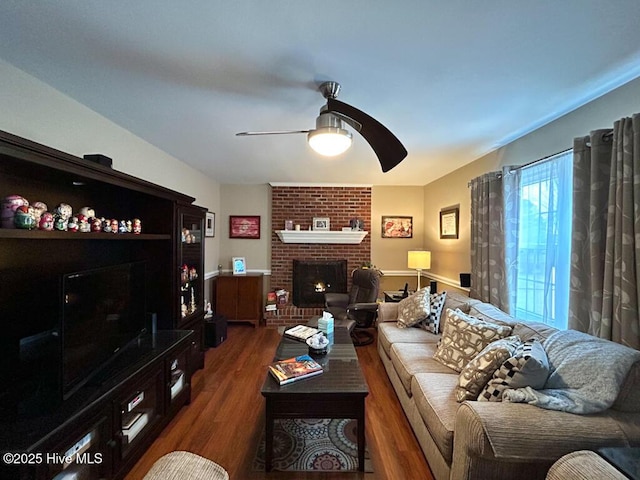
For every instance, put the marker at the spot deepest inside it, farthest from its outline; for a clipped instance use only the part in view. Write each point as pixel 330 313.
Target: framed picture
pixel 321 223
pixel 397 227
pixel 239 265
pixel 210 225
pixel 449 219
pixel 244 226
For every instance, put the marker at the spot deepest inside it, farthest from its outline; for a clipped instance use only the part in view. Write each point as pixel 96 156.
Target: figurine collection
pixel 18 213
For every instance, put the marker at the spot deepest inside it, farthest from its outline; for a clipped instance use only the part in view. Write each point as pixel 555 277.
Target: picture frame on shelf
pixel 320 223
pixel 397 226
pixel 449 223
pixel 244 226
pixel 239 265
pixel 210 224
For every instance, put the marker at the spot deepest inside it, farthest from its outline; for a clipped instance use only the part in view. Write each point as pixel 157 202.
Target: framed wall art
pixel 210 225
pixel 239 265
pixel 449 221
pixel 244 226
pixel 397 227
pixel 320 223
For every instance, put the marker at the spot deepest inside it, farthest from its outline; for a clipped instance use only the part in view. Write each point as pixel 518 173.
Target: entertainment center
pixel 102 330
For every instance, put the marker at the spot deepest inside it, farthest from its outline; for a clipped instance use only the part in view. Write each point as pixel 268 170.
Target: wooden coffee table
pixel 339 392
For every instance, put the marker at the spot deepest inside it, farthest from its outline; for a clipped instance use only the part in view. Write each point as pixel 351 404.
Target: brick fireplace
pixel 301 204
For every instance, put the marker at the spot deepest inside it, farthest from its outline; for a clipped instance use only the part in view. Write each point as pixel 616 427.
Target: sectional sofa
pixel 492 439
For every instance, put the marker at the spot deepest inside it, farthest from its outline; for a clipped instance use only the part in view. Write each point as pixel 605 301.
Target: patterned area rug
pixel 304 445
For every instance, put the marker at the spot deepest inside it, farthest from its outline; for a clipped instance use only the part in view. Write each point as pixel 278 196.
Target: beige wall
pixel 451 257
pixel 34 110
pixel 246 200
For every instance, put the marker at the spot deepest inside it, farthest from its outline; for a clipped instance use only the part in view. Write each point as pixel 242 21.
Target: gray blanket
pixel 586 374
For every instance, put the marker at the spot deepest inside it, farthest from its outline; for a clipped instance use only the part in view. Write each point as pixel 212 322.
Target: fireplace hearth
pixel 313 278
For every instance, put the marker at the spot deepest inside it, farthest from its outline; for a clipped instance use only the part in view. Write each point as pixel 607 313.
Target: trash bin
pixel 215 330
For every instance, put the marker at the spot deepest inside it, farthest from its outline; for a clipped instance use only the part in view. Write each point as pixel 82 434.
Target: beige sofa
pixel 482 440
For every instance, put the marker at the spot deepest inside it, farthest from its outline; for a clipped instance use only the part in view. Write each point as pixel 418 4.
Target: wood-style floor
pixel 225 419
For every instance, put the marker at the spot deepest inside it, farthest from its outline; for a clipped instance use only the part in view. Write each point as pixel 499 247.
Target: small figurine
pixel 72 224
pixel 46 221
pixel 114 225
pixel 193 274
pixel 23 218
pixel 10 204
pixel 88 212
pixel 59 222
pixel 137 226
pixel 38 209
pixel 83 223
pixel 106 225
pixel 129 226
pixel 184 274
pixel 63 210
pixel 122 227
pixel 96 224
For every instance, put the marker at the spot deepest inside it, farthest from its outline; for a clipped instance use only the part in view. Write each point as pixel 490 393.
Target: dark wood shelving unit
pixel 33 415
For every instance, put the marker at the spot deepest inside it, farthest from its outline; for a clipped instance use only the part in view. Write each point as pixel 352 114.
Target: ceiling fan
pixel 330 138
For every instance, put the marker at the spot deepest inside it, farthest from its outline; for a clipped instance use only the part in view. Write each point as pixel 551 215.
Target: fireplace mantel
pixel 320 236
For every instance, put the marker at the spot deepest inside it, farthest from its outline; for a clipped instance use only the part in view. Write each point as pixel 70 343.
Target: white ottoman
pixel 182 465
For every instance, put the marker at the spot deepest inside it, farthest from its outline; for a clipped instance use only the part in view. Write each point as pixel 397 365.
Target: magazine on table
pixel 301 332
pixel 295 368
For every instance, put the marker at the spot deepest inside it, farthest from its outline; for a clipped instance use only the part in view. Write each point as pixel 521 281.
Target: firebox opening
pixel 313 278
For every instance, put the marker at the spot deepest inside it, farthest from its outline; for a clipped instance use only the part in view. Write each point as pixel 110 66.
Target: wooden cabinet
pixel 239 297
pixel 36 413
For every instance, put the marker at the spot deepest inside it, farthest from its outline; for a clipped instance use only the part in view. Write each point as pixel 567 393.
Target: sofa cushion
pixel 411 358
pixel 629 396
pixel 389 333
pixel 528 366
pixel 434 396
pixel 530 330
pixel 432 322
pixel 492 314
pixel 475 374
pixel 456 300
pixel 414 309
pixel 464 337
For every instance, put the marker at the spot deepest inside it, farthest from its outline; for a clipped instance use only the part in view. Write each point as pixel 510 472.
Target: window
pixel 540 253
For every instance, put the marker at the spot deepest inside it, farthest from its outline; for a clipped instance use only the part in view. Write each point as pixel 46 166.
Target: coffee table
pixel 338 392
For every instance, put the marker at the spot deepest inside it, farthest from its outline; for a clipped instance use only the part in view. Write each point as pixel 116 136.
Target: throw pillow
pixel 475 375
pixel 432 322
pixel 528 367
pixel 463 337
pixel 413 309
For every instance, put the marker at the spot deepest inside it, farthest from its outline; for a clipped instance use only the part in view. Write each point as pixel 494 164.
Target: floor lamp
pixel 419 260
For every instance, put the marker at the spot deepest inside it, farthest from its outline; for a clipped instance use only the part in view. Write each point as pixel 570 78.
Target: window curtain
pixel 488 270
pixel 605 260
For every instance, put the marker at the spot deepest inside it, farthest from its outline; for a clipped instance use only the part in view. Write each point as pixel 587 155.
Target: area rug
pixel 305 445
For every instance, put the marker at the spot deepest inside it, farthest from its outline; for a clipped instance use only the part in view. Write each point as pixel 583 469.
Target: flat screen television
pixel 103 311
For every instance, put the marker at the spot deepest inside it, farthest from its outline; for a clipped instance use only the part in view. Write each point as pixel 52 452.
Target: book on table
pixel 295 368
pixel 301 332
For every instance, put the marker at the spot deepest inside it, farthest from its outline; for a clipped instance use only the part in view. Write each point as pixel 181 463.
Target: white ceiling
pixel 453 80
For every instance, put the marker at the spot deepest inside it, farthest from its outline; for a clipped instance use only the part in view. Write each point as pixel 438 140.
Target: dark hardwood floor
pixel 225 419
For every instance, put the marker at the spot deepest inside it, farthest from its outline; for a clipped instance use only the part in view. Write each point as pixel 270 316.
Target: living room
pixel 35 110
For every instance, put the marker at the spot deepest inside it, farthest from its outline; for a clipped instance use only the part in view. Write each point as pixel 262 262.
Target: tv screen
pixel 103 311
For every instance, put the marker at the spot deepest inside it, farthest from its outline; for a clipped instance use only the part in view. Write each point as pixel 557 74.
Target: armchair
pixel 358 309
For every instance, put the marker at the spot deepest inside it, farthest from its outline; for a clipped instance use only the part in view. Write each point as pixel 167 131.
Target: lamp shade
pixel 329 141
pixel 419 259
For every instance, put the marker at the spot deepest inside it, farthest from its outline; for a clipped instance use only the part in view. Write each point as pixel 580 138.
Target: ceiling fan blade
pixel 385 144
pixel 274 132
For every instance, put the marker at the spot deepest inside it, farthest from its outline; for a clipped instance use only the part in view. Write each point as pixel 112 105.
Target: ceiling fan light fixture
pixel 330 141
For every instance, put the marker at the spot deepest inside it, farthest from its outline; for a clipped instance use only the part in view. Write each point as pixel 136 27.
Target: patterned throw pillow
pixel 464 337
pixel 432 322
pixel 414 309
pixel 528 367
pixel 475 375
